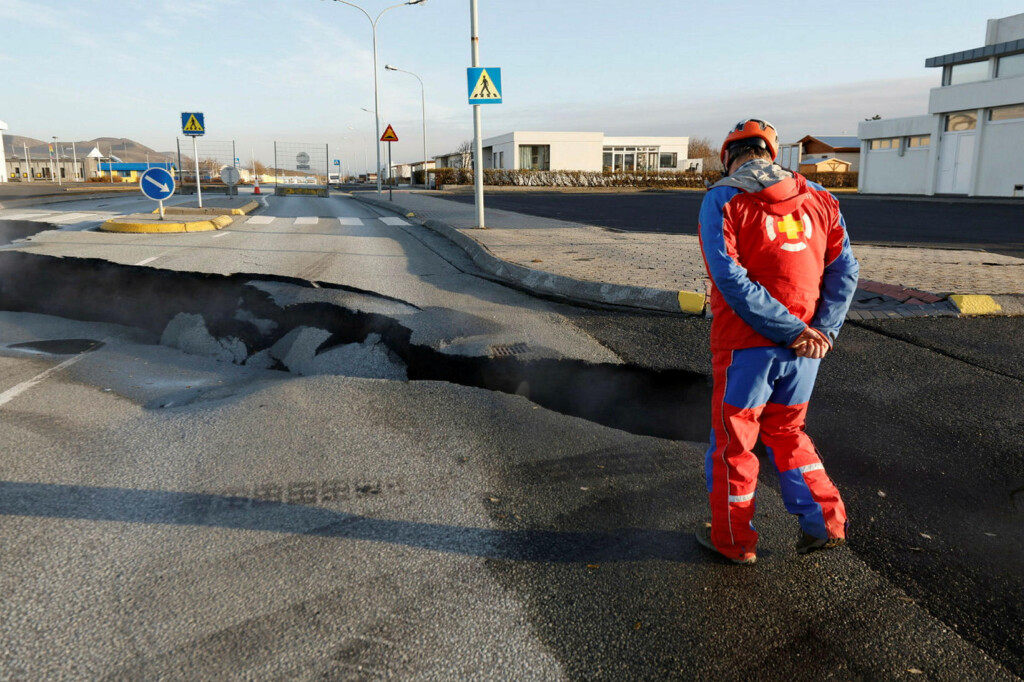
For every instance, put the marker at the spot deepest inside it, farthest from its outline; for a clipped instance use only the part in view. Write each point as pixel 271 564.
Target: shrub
pixel 575 178
pixel 833 180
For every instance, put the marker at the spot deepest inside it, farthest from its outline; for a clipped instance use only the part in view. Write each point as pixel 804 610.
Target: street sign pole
pixel 193 124
pixel 390 183
pixel 195 156
pixel 478 146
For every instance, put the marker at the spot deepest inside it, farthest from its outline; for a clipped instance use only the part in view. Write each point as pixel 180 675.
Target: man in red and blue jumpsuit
pixel 783 276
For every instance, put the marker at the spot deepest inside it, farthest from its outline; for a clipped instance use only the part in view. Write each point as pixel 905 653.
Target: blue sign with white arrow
pixel 157 184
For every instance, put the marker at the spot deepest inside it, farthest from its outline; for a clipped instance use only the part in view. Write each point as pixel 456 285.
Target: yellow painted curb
pixel 410 215
pixel 691 302
pixel 975 304
pixel 156 227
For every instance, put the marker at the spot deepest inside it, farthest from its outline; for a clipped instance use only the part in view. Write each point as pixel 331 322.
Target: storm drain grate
pixel 506 349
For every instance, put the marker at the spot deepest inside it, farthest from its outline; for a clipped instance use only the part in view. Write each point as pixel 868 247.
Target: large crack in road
pixel 289 324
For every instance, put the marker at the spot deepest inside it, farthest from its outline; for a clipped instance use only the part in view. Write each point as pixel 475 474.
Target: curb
pixel 647 298
pixel 903 303
pixel 156 226
pixel 975 304
pixel 212 210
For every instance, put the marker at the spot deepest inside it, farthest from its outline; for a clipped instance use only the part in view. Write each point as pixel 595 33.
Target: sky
pixel 302 70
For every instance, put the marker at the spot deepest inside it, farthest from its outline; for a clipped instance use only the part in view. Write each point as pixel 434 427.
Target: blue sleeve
pixel 838 286
pixel 750 300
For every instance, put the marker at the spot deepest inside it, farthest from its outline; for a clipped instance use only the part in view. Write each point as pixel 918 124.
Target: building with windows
pixel 530 150
pixel 970 141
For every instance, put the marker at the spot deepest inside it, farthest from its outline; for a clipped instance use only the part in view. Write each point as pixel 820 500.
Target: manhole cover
pixel 59 346
pixel 507 349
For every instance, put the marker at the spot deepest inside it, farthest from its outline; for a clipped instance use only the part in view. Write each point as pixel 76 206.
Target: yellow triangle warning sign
pixel 389 135
pixel 192 125
pixel 485 88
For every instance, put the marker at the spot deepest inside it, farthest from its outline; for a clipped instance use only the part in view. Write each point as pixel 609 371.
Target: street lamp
pixel 376 94
pixel 423 105
pixel 56 151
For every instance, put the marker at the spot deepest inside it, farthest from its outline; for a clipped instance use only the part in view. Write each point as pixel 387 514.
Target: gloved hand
pixel 811 344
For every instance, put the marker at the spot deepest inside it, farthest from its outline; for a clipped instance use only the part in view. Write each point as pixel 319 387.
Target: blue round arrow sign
pixel 156 183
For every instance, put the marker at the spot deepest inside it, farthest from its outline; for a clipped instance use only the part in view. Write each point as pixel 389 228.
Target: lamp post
pixel 56 151
pixel 423 107
pixel 376 94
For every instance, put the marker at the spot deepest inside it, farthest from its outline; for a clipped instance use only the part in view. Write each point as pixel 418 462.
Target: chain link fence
pixel 213 157
pixel 301 163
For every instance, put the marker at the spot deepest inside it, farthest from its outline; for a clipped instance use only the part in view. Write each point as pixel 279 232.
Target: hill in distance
pixel 121 147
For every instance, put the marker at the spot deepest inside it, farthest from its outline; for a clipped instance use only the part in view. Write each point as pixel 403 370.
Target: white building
pixel 971 141
pixel 581 151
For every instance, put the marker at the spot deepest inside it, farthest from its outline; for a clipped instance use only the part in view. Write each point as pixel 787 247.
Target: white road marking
pixel 71 218
pixel 260 220
pixel 220 234
pixel 393 221
pixel 24 216
pixel 12 393
pixel 148 260
pixel 306 221
pixel 350 221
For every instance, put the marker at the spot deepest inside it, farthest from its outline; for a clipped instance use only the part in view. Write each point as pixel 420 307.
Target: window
pixel 1011 65
pixel 918 141
pixel 535 157
pixel 967 73
pixel 620 159
pixel 887 143
pixel 1014 111
pixel 962 120
pixel 668 160
pixel 501 159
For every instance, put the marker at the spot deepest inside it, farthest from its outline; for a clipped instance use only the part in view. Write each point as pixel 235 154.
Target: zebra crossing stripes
pixel 260 220
pixel 72 218
pixel 393 221
pixel 307 221
pixel 25 216
pixel 351 221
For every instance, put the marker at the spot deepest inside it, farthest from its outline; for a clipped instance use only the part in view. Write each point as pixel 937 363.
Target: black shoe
pixel 809 543
pixel 703 536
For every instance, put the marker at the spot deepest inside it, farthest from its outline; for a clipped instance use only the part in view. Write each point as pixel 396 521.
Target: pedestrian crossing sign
pixel 192 123
pixel 484 85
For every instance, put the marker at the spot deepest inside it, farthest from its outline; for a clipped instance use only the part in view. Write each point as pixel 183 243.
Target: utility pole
pixel 478 144
pixel 28 161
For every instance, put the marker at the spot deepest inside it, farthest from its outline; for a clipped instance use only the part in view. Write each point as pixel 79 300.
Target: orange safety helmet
pixel 752 129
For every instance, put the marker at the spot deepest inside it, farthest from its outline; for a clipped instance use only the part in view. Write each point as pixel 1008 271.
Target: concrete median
pixel 146 223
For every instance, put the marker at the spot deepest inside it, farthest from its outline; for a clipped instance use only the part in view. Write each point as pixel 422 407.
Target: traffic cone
pixel 257 188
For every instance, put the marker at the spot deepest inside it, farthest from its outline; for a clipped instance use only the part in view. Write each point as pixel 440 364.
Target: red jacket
pixel 778 256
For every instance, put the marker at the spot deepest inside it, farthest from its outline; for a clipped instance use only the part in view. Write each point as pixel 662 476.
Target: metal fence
pixel 301 163
pixel 213 157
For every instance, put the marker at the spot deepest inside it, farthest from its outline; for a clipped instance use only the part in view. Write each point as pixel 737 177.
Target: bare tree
pixel 465 152
pixel 259 168
pixel 703 148
pixel 210 166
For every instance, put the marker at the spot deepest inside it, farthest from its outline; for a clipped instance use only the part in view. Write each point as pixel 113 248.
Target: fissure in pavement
pixel 228 318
